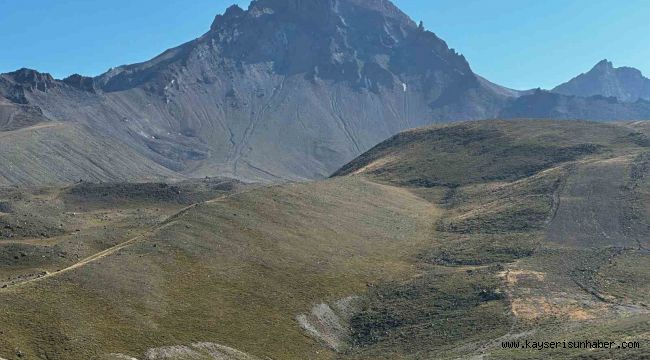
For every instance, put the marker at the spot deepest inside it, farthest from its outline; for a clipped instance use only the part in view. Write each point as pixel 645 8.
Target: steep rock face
pixel 285 89
pixel 624 83
pixel 81 82
pixel 15 85
pixel 15 110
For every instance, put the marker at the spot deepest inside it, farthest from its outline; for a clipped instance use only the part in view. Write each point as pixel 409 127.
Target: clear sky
pixel 517 43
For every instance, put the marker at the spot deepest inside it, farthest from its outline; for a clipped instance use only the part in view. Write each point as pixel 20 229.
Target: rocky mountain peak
pixel 81 82
pixel 367 43
pixel 232 12
pixel 603 65
pixel 316 7
pixel 624 83
pixel 14 86
pixel 315 11
pixel 31 79
pixel 361 41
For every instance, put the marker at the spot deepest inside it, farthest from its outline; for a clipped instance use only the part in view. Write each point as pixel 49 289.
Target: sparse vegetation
pixel 431 314
pixel 480 249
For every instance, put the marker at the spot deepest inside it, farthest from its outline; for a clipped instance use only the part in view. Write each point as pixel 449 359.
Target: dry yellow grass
pixel 234 271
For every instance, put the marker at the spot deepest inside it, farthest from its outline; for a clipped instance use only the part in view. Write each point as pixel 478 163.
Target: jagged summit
pixel 81 82
pixel 316 8
pixel 31 79
pixel 603 65
pixel 338 24
pixel 234 11
pixel 624 83
pixel 369 44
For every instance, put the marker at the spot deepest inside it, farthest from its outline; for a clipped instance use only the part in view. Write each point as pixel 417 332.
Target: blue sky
pixel 517 43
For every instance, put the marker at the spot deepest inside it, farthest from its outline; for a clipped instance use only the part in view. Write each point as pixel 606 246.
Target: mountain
pixel 284 90
pixel 541 104
pixel 439 243
pixel 624 83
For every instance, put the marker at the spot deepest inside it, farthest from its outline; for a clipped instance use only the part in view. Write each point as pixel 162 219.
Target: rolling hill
pixel 439 243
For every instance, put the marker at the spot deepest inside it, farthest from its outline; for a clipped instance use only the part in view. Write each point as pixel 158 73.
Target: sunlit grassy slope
pixel 559 208
pixel 235 271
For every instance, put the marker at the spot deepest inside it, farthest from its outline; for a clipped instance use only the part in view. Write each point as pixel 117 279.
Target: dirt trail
pixel 31 128
pixel 87 260
pixel 104 253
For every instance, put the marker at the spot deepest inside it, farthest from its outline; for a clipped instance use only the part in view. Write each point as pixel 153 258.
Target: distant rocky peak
pixel 624 83
pixel 32 79
pixel 385 7
pixel 297 10
pixel 317 11
pixel 603 65
pixel 26 75
pixel 233 12
pixel 360 26
pixel 606 66
pixel 81 82
pixel 369 44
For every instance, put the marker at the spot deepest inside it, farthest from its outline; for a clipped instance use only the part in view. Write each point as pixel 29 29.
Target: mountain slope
pixel 439 243
pixel 602 159
pixel 625 83
pixel 237 270
pixel 54 153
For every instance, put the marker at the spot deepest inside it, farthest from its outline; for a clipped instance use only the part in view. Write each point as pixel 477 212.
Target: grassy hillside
pixel 560 208
pixel 438 244
pixel 235 271
pixel 43 230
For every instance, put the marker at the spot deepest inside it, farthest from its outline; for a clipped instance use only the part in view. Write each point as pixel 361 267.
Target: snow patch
pixel 171 83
